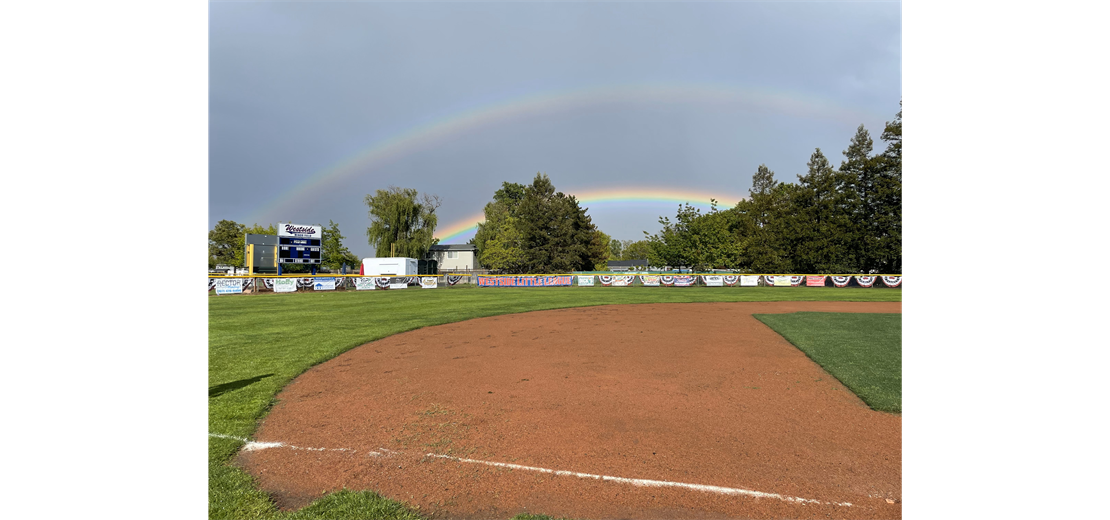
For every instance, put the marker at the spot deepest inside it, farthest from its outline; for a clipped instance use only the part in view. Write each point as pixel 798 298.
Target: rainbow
pixel 463 229
pixel 467 121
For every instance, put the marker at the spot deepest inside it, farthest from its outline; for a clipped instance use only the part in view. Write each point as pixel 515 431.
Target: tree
pixel 400 224
pixel 535 229
pixel 616 249
pixel 694 240
pixel 607 242
pixel 225 244
pixel 887 202
pixel 820 226
pixel 333 254
pixel 506 254
pixel 638 250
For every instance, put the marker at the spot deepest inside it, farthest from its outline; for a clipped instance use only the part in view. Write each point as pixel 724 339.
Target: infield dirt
pixel 698 393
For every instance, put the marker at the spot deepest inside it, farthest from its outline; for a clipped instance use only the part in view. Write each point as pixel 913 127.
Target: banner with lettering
pixel 525 281
pixel 678 280
pixel 585 281
pixel 429 282
pixel 712 280
pixel 618 280
pixel 865 281
pixel 815 281
pixel 749 280
pixel 365 283
pixel 324 284
pixel 648 280
pixel 892 281
pixel 283 285
pixel 779 281
pixel 229 285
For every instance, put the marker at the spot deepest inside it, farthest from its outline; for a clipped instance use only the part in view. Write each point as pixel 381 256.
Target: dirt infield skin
pixel 698 393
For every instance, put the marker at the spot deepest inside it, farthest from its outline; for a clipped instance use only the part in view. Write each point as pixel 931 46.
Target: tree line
pixel 832 221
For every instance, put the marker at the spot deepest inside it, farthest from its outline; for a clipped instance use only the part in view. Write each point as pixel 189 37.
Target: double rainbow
pixel 549 103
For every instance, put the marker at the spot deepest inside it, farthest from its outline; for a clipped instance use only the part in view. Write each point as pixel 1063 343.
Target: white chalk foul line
pixel 639 482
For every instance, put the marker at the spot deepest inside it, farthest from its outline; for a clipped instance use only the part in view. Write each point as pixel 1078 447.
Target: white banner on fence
pixel 782 281
pixel 622 280
pixel 585 281
pixel 229 286
pixel 713 280
pixel 398 285
pixel 649 280
pixel 749 281
pixel 429 282
pixel 324 284
pixel 285 285
pixel 365 284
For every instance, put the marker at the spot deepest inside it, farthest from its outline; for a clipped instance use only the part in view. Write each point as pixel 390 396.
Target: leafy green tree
pixel 501 247
pixel 500 217
pixel 697 241
pixel 616 249
pixel 638 250
pixel 333 254
pixel 225 244
pixel 607 241
pixel 402 222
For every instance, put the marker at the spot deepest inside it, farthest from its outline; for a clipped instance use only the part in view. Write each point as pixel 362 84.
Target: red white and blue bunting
pixel 619 280
pixel 841 281
pixel 865 281
pixel 730 280
pixel 453 279
pixel 892 281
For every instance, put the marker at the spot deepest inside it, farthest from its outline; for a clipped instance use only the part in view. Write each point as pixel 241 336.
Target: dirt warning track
pixel 690 410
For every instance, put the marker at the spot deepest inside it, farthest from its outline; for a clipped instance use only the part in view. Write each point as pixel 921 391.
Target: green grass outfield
pixel 258 343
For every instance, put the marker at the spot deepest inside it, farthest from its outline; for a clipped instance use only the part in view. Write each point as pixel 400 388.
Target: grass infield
pixel 863 351
pixel 258 343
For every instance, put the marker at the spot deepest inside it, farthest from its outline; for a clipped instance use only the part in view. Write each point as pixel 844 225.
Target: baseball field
pixel 760 402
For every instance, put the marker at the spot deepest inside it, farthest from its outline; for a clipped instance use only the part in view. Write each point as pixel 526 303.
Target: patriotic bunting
pixel 892 281
pixel 865 281
pixel 841 281
pixel 453 279
pixel 730 280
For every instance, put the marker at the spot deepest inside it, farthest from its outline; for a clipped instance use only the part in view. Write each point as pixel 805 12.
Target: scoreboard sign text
pixel 299 244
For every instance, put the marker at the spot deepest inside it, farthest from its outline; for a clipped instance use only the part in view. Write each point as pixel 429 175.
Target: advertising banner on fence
pixel 585 281
pixel 712 280
pixel 285 285
pixel 679 281
pixel 782 281
pixel 524 281
pixel 429 282
pixel 620 280
pixel 365 284
pixel 815 281
pixel 324 284
pixel 398 283
pixel 229 286
pixel 749 280
pixel 648 280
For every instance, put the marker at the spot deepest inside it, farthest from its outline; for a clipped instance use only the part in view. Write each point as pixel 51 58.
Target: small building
pixel 454 257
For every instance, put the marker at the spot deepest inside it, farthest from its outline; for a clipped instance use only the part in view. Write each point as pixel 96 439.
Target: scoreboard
pixel 298 250
pixel 298 244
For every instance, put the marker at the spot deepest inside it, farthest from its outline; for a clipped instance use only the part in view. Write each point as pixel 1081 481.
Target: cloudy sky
pixel 629 106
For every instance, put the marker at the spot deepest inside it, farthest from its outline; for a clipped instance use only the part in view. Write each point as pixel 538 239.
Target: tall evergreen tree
pixel 888 201
pixel 861 171
pixel 821 225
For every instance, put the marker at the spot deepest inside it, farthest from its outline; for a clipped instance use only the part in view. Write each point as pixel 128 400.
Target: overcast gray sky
pixel 312 106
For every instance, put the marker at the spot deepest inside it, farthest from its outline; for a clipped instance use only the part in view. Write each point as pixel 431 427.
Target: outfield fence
pixel 238 284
